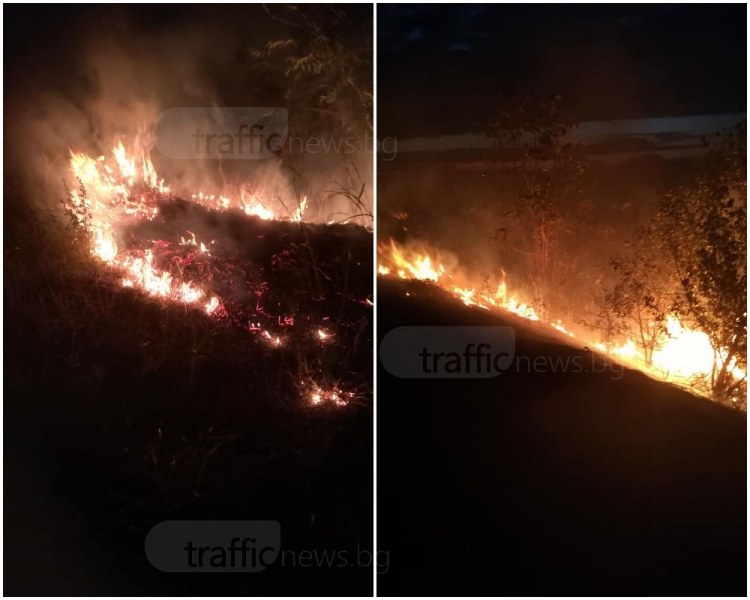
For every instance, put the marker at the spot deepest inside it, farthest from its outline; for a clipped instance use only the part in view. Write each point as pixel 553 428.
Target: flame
pixel 126 186
pixel 191 241
pixel 297 216
pixel 686 356
pixel 107 192
pixel 255 208
pixel 412 265
pixel 426 265
pixel 685 352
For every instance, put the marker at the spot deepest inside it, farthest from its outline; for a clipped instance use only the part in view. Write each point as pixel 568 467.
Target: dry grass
pixel 163 396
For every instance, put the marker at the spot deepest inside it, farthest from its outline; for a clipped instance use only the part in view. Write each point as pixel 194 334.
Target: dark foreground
pixel 552 484
pixel 121 412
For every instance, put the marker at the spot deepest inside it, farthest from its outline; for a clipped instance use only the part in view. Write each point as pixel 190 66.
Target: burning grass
pixel 234 259
pixel 190 359
pixel 685 357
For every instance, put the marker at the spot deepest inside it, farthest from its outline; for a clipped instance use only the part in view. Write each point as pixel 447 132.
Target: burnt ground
pixel 552 483
pixel 122 411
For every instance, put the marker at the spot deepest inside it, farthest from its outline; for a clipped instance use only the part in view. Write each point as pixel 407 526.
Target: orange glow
pixel 108 192
pixel 411 265
pixel 318 396
pixel 685 357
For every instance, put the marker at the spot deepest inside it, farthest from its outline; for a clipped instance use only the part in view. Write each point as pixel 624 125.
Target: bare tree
pixel 535 139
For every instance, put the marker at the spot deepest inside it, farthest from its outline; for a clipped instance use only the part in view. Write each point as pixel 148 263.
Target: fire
pixel 109 192
pixel 212 305
pixel 252 205
pixel 426 265
pixel 686 356
pixel 318 396
pixel 412 265
pixel 297 216
pixel 685 352
pixel 191 241
pixel 255 208
pixel 273 340
pixel 104 246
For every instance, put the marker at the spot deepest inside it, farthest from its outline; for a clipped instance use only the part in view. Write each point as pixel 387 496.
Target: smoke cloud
pixel 89 77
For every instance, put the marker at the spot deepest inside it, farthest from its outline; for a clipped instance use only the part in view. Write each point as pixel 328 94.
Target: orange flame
pixel 686 356
pixel 126 185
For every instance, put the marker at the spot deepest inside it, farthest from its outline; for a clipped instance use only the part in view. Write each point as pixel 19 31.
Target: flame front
pixel 412 265
pixel 106 194
pixel 686 356
pixel 124 188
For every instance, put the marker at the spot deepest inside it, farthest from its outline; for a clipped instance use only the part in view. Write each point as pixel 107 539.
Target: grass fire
pixel 119 203
pixel 681 355
pixel 191 332
pixel 562 299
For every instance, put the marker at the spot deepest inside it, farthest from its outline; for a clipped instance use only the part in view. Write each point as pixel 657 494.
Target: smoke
pixel 94 76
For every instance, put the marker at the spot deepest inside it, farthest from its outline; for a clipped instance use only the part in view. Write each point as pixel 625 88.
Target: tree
pixel 536 136
pixel 326 66
pixel 691 262
pixel 643 295
pixel 704 228
pixel 324 73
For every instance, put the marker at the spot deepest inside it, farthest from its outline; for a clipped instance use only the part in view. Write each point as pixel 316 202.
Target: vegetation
pixel 152 408
pixel 326 68
pixel 691 262
pixel 323 71
pixel 643 296
pixel 550 170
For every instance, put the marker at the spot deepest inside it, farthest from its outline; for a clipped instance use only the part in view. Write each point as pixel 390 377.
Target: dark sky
pixel 442 68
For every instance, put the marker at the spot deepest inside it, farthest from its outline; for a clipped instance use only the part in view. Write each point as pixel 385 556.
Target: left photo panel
pixel 188 264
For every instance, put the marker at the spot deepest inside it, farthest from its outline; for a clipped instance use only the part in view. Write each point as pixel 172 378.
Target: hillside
pixel 552 483
pixel 124 409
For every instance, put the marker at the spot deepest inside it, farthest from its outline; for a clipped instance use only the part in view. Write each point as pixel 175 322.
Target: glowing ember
pixel 318 396
pixel 212 305
pixel 273 341
pixel 191 241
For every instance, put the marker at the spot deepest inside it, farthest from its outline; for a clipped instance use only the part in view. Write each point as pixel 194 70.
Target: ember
pixel 334 396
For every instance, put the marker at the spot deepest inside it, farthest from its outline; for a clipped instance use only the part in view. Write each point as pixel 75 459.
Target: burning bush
pixel 690 263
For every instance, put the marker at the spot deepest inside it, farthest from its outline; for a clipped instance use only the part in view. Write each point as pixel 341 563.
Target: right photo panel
pixel 561 300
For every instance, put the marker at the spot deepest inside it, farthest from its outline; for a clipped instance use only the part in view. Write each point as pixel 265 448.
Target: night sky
pixel 441 69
